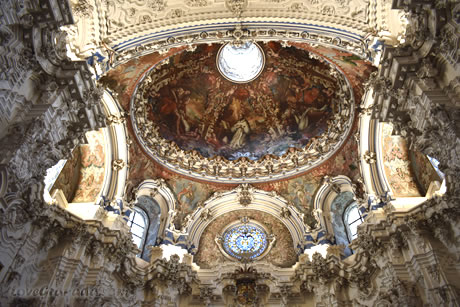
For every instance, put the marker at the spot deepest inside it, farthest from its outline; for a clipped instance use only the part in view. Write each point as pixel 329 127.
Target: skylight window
pixel 51 175
pixel 240 63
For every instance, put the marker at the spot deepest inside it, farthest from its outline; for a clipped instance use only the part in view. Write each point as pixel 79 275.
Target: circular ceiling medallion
pixel 245 241
pixel 294 116
pixel 240 63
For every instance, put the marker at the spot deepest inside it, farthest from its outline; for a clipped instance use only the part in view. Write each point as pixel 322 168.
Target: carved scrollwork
pixel 236 6
pixel 196 3
pixel 118 164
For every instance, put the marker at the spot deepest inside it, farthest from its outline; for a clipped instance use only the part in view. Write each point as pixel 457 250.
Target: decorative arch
pixel 117 149
pixel 241 198
pixel 324 201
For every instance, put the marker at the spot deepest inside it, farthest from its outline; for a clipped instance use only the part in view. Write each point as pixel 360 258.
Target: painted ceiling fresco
pixel 191 192
pixel 282 254
pixel 92 168
pixel 396 163
pixel 68 178
pixel 82 177
pixel 198 109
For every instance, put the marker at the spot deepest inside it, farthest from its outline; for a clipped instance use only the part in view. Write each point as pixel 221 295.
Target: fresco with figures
pixel 92 168
pixel 68 179
pixel 299 190
pixel 198 109
pixel 82 177
pixel 396 162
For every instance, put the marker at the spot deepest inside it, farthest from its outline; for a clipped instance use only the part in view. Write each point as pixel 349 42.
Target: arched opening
pixel 341 203
pixel 152 211
pixel 138 224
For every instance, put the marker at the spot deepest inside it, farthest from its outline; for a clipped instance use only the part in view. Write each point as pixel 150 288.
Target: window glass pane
pixel 353 220
pixel 435 164
pixel 354 229
pixel 137 241
pixel 139 231
pixel 52 174
pixel 139 219
pixel 138 224
pixel 245 240
pixel 240 63
pixel 353 214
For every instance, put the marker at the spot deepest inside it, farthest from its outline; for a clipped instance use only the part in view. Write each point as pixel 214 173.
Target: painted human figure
pixel 302 120
pixel 179 95
pixel 188 193
pixel 240 130
pixel 300 193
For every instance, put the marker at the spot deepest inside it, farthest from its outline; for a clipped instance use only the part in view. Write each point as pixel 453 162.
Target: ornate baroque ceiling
pixel 192 120
pixel 127 82
pixel 283 132
pixel 124 24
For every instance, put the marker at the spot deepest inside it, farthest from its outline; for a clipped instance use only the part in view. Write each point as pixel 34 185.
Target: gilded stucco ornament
pixel 244 194
pixel 236 6
pixel 218 146
pixel 196 3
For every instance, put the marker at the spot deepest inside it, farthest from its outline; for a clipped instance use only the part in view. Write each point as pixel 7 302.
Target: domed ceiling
pixel 193 189
pixel 292 117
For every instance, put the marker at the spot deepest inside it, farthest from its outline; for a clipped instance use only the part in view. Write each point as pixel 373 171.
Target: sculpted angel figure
pixel 240 130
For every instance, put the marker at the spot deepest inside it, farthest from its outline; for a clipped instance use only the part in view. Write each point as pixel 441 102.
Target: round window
pixel 240 63
pixel 245 241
